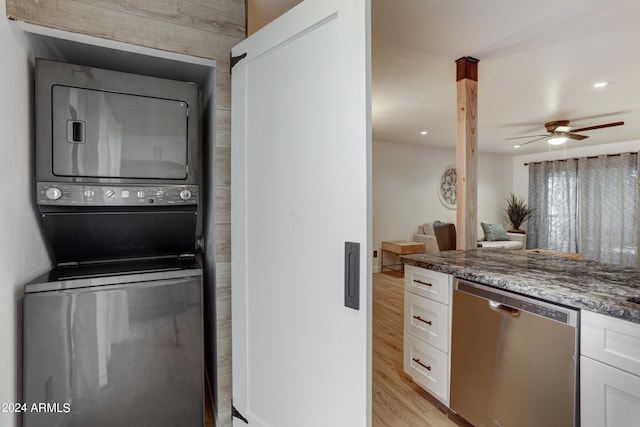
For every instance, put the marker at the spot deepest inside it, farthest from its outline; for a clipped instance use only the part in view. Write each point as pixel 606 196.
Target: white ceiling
pixel 538 60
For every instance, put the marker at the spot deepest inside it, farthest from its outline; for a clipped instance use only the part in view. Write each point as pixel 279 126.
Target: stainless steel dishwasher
pixel 513 359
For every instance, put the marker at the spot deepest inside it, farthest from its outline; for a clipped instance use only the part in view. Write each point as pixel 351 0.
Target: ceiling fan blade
pixel 528 136
pixel 557 126
pixel 534 140
pixel 606 125
pixel 575 136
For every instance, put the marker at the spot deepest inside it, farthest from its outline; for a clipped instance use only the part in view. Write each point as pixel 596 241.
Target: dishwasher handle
pixel 504 309
pixel 510 303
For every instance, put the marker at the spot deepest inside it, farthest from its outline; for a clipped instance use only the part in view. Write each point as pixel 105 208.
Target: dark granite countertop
pixel 588 285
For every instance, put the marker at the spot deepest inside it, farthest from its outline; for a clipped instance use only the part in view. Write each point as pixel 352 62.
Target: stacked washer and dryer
pixel 113 335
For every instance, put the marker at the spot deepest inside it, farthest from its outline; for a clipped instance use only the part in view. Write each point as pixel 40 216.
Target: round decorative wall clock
pixel 447 190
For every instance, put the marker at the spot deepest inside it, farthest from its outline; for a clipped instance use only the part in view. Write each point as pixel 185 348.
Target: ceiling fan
pixel 559 132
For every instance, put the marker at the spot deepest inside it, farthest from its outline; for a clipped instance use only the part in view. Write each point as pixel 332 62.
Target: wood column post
pixel 467 153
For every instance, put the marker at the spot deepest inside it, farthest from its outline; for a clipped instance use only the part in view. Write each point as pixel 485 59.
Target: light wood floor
pixel 397 401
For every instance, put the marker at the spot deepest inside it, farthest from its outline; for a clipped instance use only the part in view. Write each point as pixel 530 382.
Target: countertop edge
pixel 565 297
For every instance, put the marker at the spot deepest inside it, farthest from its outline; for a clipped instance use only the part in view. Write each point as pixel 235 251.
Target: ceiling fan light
pixel 557 140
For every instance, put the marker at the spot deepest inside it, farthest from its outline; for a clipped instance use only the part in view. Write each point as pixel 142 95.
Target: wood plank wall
pixel 203 28
pixel 261 12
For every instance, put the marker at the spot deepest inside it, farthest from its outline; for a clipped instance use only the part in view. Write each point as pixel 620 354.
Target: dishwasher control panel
pixel 540 310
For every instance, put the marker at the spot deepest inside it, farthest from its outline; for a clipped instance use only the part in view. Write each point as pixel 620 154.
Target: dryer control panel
pixel 71 194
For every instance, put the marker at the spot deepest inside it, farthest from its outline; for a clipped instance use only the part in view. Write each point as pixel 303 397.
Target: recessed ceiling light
pixel 423 132
pixel 598 85
pixel 516 146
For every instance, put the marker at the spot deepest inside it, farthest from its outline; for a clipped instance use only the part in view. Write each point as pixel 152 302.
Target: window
pixel 587 205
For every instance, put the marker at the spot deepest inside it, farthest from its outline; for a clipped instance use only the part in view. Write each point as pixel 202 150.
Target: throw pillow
pixel 494 232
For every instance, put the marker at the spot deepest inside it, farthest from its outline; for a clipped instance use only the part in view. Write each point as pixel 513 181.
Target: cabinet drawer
pixel 609 397
pixel 610 340
pixel 427 320
pixel 427 283
pixel 428 366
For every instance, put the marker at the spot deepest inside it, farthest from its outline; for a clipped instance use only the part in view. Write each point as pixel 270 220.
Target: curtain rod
pixel 577 158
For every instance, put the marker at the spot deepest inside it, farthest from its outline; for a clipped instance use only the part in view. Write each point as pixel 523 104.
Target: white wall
pixel 22 253
pixel 405 183
pixel 521 172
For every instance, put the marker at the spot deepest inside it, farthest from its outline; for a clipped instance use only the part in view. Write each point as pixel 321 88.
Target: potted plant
pixel 517 212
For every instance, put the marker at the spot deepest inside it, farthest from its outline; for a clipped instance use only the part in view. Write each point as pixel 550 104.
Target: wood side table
pixel 399 247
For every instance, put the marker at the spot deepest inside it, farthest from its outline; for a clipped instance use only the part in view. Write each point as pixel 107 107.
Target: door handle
pixel 504 309
pixel 352 275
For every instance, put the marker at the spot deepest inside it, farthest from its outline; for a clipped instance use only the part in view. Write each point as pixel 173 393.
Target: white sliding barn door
pixel 301 176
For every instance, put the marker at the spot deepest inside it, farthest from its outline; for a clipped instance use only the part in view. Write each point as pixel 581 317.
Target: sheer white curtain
pixel 553 196
pixel 586 205
pixel 608 208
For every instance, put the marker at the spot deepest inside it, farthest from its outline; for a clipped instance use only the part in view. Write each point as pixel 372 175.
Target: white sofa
pixel 426 235
pixel 517 241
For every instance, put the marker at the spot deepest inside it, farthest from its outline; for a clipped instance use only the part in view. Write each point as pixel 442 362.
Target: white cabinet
pixel 428 366
pixel 428 284
pixel 609 371
pixel 427 320
pixel 427 329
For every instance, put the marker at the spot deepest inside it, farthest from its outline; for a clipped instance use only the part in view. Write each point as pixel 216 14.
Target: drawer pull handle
pixel 428 322
pixel 422 283
pixel 428 368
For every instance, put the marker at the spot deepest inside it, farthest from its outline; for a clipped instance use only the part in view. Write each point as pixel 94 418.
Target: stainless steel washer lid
pixel 113 273
pixel 91 234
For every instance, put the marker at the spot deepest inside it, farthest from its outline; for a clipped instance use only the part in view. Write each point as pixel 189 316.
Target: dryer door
pixel 101 134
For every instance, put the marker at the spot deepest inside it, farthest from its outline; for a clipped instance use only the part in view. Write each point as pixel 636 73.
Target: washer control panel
pixel 70 194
